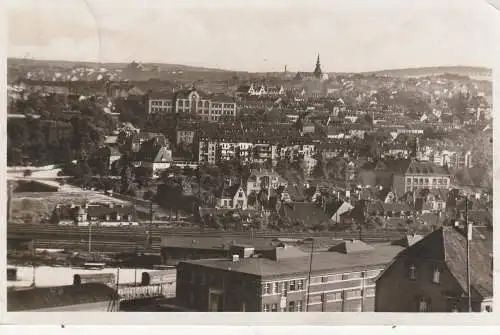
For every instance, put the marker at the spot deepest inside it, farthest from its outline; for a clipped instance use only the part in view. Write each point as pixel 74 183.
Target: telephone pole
pixel 469 240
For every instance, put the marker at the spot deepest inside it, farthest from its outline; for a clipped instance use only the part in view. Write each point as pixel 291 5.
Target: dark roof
pixel 305 212
pixel 321 262
pixel 448 244
pixel 230 192
pixel 59 296
pixel 426 168
pixel 408 240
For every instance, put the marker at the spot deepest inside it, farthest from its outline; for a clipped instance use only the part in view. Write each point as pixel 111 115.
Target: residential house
pixel 431 275
pixel 233 196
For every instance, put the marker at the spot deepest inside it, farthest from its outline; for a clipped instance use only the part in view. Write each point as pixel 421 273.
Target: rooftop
pixel 450 245
pixel 58 296
pixel 321 262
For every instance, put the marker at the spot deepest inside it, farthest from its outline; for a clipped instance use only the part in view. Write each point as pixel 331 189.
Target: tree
pixel 126 180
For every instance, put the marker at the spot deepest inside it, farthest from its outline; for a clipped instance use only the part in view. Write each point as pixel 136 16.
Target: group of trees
pixel 54 137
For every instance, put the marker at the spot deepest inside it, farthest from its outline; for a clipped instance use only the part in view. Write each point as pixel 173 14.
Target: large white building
pixel 210 108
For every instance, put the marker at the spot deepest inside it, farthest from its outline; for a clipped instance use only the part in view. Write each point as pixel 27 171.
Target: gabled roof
pixel 449 245
pixel 344 208
pixel 59 296
pixel 352 247
pixel 163 155
pixel 305 212
pixel 230 192
pixel 425 168
pixel 408 240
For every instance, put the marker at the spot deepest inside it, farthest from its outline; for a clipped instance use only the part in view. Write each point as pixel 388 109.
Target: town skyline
pixel 369 41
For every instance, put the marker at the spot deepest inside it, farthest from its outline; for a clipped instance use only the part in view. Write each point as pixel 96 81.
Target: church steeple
pixel 317 70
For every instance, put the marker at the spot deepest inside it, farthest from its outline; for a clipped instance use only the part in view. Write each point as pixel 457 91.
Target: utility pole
pixel 309 273
pixel 469 240
pixel 90 238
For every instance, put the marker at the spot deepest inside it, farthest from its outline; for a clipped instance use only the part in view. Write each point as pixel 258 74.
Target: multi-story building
pixel 284 280
pixel 457 159
pixel 431 275
pixel 210 108
pixel 419 175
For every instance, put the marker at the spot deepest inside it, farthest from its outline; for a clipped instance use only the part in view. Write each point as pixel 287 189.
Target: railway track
pixel 121 239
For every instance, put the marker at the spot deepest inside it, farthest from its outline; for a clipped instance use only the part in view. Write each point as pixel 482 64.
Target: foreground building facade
pixel 341 280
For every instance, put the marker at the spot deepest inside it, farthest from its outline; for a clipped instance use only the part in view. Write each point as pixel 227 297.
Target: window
pixel 291 306
pixel 345 276
pixel 435 275
pixel 333 278
pixel 274 307
pixel 324 279
pixel 488 308
pixel 423 305
pixel 369 292
pixel 276 287
pixel 266 308
pixel 352 294
pixel 412 272
pixel 334 296
pixel 243 306
pixel 267 288
pixel 300 284
pixel 300 306
pixel 292 286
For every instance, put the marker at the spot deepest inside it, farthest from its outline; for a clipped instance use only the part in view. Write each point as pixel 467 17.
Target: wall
pixel 395 292
pixel 235 287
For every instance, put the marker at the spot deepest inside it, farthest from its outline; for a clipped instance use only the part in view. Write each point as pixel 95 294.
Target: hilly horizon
pixel 396 72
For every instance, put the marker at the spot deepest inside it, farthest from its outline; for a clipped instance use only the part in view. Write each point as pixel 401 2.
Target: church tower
pixel 317 70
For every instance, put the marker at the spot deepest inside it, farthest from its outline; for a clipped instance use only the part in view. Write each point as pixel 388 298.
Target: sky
pixel 350 35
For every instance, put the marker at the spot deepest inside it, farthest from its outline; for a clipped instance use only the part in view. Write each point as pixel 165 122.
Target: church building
pixel 317 74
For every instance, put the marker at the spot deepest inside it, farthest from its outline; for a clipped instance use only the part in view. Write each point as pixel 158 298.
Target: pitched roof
pixel 352 247
pixel 408 240
pixel 59 296
pixel 305 212
pixel 426 168
pixel 448 244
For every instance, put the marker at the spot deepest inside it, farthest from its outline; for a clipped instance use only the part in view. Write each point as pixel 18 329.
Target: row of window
pixel 436 273
pixel 332 278
pixel 342 295
pixel 292 306
pixel 421 181
pixel 283 287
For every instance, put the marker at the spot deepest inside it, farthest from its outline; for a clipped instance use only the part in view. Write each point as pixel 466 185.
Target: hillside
pixel 469 71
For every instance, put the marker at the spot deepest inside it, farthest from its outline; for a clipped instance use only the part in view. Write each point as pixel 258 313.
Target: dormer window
pixel 435 275
pixel 412 272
